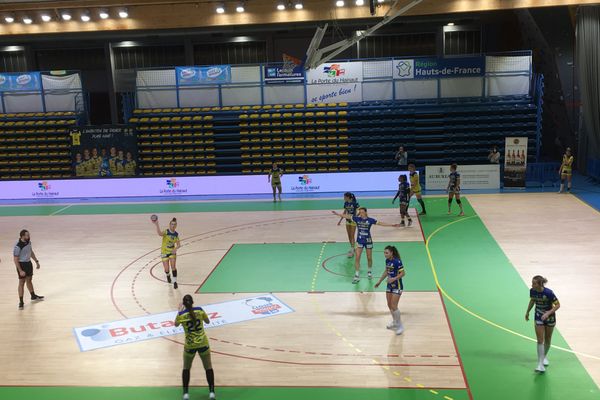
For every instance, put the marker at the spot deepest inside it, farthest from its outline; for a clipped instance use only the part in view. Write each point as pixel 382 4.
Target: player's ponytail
pixel 540 280
pixel 394 251
pixel 188 303
pixel 174 220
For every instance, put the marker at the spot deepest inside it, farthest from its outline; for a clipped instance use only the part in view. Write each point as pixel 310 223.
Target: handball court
pixel 466 292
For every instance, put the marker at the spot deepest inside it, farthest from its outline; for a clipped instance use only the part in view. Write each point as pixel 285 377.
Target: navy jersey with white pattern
pixel 454 176
pixel 544 300
pixel 364 229
pixel 404 192
pixel 394 267
pixel 351 207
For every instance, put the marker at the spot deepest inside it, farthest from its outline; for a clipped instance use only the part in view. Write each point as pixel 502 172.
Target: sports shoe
pixel 175 285
pixel 546 362
pixel 36 297
pixel 370 275
pixel 409 222
pixel 462 214
pixel 392 325
pixel 400 330
pixel 186 396
pixel 355 280
pixel 350 253
pixel 21 305
pixel 211 395
pixel 422 213
pixel 540 369
pixel 402 223
pixel 169 278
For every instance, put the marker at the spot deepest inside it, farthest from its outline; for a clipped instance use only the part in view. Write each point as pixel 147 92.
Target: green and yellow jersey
pixel 276 176
pixel 414 182
pixel 567 164
pixel 195 336
pixel 168 243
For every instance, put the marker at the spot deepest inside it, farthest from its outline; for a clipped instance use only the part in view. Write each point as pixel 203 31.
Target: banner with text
pixel 153 326
pixel 216 74
pixel 335 73
pixel 433 68
pixel 199 185
pixel 28 81
pixel 280 73
pixel 471 176
pixel 104 151
pixel 515 162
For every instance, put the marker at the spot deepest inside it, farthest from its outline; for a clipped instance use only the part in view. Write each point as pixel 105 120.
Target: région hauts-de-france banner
pixel 434 68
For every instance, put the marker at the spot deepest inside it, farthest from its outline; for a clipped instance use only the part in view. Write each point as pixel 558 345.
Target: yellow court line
pixel 473 314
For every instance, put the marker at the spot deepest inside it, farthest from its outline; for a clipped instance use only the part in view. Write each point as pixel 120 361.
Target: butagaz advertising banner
pixel 154 326
pixel 216 74
pixel 28 81
pixel 335 73
pixel 281 73
pixel 104 151
pixel 434 68
pixel 471 176
pixel 515 162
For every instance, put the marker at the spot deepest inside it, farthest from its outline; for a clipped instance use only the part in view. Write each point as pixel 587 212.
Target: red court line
pixel 462 368
pixel 214 268
pixel 182 254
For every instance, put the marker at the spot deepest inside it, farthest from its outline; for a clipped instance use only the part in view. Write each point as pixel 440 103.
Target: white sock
pixel 397 318
pixel 370 270
pixel 540 353
pixel 175 279
pixel 356 274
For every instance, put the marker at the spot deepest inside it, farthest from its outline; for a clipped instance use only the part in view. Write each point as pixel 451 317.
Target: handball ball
pixel 153 218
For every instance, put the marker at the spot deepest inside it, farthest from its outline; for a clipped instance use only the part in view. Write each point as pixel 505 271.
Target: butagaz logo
pixel 172 183
pixel 187 73
pixel 334 70
pixel 304 180
pixel 23 79
pixel 109 332
pixel 263 306
pixel 404 68
pixel 44 186
pixel 214 73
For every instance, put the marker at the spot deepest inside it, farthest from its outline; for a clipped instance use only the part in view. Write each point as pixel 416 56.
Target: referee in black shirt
pixel 23 253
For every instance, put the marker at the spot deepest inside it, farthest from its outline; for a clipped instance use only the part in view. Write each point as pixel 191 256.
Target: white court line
pixel 62 209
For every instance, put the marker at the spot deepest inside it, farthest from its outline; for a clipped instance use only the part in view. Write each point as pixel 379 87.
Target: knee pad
pixel 449 201
pixel 458 201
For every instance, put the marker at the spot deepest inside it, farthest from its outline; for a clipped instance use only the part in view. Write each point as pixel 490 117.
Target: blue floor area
pixel 587 190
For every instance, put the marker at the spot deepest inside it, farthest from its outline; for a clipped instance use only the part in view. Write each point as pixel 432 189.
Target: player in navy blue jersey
pixel 546 304
pixel 453 188
pixel 404 194
pixel 350 208
pixel 394 271
pixel 363 240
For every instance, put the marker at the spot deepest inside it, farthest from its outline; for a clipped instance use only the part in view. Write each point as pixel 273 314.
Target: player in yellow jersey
pixel 275 179
pixel 168 250
pixel 193 320
pixel 566 170
pixel 415 187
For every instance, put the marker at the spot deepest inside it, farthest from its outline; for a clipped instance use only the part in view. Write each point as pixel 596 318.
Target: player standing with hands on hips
pixel 23 253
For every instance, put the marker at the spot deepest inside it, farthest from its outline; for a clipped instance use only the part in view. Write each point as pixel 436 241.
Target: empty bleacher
pixel 329 137
pixel 36 145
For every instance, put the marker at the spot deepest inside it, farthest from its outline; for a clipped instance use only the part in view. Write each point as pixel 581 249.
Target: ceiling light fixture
pixel 339 3
pixel 85 16
pixel 360 2
pixel 66 15
pixel 103 14
pixel 123 13
pixel 46 17
pixel 298 5
pixel 27 20
pixel 240 8
pixel 9 18
pixel 280 6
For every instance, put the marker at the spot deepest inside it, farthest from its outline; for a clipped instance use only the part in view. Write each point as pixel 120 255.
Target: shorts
pixel 393 289
pixel 566 172
pixel 167 256
pixel 275 185
pixel 404 202
pixel 454 190
pixel 417 192
pixel 26 266
pixel 365 245
pixel 350 223
pixel 551 321
pixel 189 354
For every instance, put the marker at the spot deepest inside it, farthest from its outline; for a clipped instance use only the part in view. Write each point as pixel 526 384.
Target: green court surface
pixel 286 267
pixel 483 294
